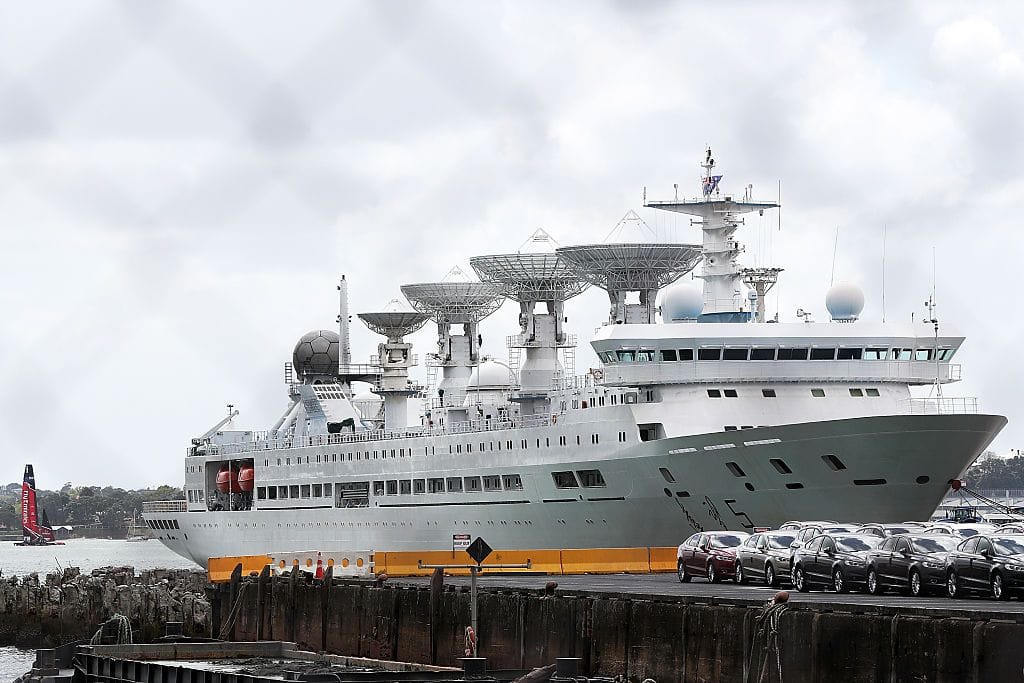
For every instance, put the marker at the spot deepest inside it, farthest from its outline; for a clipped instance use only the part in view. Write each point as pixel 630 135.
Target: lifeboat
pixel 246 477
pixel 227 480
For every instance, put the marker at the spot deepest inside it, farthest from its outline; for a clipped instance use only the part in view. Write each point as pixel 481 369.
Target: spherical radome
pixel 844 301
pixel 681 302
pixel 316 353
pixel 490 373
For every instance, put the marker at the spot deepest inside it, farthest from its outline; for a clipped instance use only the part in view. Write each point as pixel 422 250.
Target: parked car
pixel 872 529
pixel 915 563
pixel 837 561
pixel 797 525
pixel 1011 528
pixel 764 557
pixel 991 564
pixel 961 530
pixel 902 528
pixel 710 554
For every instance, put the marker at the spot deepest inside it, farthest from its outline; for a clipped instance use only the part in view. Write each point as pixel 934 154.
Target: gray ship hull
pixel 884 468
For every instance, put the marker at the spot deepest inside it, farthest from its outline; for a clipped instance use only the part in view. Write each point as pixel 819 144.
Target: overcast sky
pixel 182 184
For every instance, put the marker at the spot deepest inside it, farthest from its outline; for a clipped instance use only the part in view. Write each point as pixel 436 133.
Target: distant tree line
pixel 106 507
pixel 997 473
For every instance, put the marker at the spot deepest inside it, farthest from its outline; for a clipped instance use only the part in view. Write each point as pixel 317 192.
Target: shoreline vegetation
pixel 91 511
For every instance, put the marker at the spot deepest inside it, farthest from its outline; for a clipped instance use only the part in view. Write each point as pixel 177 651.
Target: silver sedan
pixel 765 557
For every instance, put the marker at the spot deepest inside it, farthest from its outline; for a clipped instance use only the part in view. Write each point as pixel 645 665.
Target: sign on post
pixel 460 542
pixel 479 550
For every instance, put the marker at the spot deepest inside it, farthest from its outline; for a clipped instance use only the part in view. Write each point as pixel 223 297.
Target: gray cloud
pixel 182 184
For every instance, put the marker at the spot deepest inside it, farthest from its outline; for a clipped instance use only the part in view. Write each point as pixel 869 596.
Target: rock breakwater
pixel 68 605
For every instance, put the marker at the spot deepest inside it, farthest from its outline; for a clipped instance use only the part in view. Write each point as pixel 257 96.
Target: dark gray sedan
pixel 915 563
pixel 765 557
pixel 831 561
pixel 992 564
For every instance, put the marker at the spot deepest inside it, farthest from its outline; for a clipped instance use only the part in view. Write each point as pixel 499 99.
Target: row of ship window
pixel 775 353
pixel 453 449
pixel 770 393
pixel 356 494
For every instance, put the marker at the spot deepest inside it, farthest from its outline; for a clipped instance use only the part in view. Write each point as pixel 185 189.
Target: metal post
pixel 472 602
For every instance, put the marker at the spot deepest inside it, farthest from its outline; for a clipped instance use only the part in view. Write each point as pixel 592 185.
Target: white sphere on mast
pixel 844 301
pixel 682 302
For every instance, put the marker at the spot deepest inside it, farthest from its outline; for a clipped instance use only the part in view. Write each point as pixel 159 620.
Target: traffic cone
pixel 319 567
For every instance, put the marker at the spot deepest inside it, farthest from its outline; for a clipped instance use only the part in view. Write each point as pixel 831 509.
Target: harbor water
pixel 88 554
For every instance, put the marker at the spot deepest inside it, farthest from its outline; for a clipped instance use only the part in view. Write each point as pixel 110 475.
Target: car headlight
pixel 855 563
pixel 1015 567
pixel 933 565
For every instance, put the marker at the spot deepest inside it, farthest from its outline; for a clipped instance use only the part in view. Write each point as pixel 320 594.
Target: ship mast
pixel 718 216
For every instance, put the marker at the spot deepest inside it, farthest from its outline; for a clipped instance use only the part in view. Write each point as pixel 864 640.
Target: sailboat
pixel 34 531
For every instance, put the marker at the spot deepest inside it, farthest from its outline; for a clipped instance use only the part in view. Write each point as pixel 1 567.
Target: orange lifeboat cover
pixel 227 480
pixel 246 478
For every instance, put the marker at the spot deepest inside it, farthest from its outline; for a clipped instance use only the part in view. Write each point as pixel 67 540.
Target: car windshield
pixel 893 530
pixel 934 545
pixel 966 532
pixel 856 544
pixel 782 542
pixel 839 528
pixel 726 541
pixel 1008 546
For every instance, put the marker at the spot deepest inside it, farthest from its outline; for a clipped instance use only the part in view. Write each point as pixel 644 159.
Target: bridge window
pixel 768 393
pixel 645 355
pixel 850 354
pixel 823 354
pixel 900 354
pixel 875 353
pixel 626 356
pixel 856 392
pixel 945 354
pixel 669 355
pixel 714 393
pixel 762 354
pixel 564 480
pixel 735 354
pixel 685 354
pixel 923 354
pixel 818 393
pixel 792 354
pixel 709 354
pixel 492 482
pixel 872 391
pixel 730 393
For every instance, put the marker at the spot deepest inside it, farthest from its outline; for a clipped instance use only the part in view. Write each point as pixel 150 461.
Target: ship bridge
pixel 636 355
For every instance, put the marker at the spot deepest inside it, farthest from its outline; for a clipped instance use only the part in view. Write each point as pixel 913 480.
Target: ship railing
pixel 523 341
pixel 945 405
pixel 467 427
pixel 586 381
pixel 164 506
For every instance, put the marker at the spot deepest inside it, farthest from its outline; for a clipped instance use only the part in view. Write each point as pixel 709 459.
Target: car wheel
pixel 917 589
pixel 873 586
pixel 681 572
pixel 712 573
pixel 800 581
pixel 769 575
pixel 740 578
pixel 999 591
pixel 952 585
pixel 839 581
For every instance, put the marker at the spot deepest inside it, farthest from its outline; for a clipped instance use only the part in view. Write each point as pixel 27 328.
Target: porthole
pixel 923 479
pixel 749 486
pixel 667 475
pixel 794 485
pixel 833 462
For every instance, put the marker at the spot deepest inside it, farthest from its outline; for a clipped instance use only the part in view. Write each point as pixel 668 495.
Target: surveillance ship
pixel 711 418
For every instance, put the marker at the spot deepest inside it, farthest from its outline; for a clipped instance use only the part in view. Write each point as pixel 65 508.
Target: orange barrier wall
pixel 606 561
pixel 219 568
pixel 573 561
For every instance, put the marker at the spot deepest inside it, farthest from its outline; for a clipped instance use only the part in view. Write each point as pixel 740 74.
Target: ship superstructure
pixel 713 418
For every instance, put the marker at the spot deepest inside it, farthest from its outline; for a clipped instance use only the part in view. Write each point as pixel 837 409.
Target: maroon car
pixel 709 554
